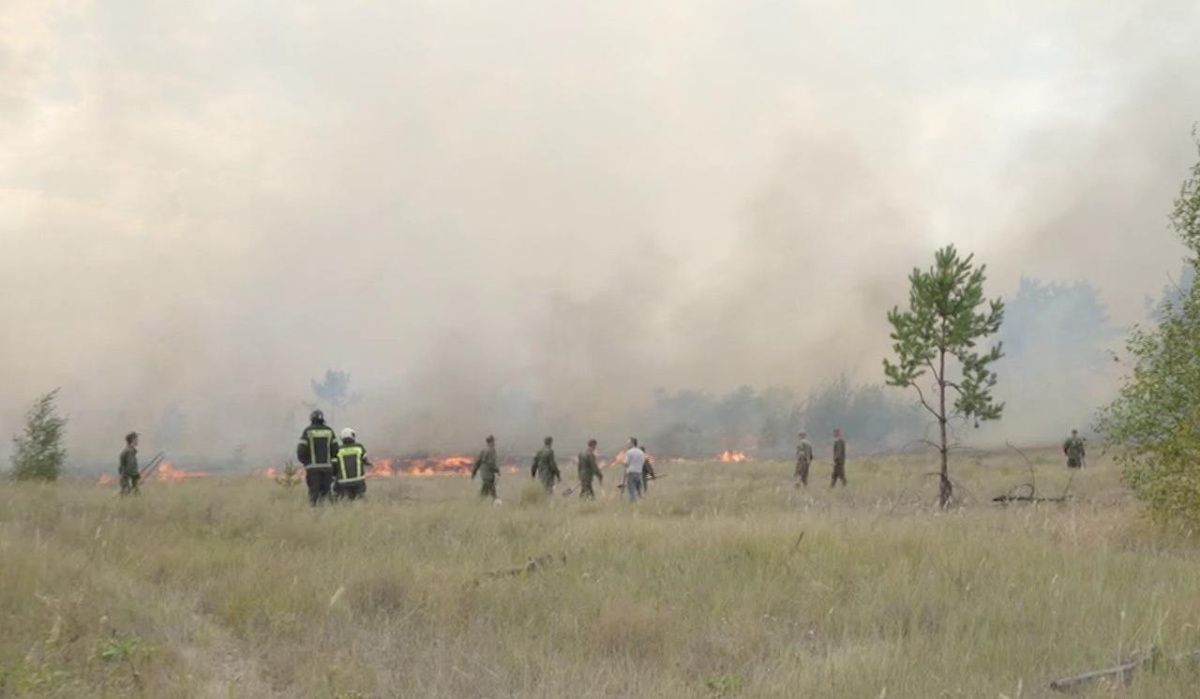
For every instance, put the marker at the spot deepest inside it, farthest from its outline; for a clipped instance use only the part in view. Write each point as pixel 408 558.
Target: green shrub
pixel 38 453
pixel 1153 426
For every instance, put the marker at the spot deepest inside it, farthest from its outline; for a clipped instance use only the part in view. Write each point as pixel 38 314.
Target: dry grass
pixel 235 588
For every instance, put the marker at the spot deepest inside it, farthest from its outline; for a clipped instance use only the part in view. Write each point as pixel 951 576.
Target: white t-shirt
pixel 635 460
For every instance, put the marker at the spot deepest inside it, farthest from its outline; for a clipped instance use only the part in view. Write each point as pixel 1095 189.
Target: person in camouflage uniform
pixel 545 468
pixel 588 469
pixel 128 465
pixel 839 459
pixel 1074 450
pixel 804 457
pixel 648 473
pixel 488 469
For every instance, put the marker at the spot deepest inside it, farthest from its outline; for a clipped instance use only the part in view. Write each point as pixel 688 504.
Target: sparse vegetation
pixel 724 582
pixel 38 452
pixel 290 474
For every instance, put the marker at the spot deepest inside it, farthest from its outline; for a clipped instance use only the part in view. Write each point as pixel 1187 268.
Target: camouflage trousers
pixel 488 488
pixel 585 490
pixel 1074 462
pixel 802 473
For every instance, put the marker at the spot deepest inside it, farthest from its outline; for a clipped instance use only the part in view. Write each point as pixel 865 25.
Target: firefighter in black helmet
pixel 317 450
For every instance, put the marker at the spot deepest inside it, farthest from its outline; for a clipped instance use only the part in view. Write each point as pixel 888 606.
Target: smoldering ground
pixel 525 218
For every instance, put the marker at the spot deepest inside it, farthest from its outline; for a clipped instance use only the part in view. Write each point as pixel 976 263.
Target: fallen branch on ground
pixel 531 566
pixel 1122 674
pixel 1015 495
pixel 1026 498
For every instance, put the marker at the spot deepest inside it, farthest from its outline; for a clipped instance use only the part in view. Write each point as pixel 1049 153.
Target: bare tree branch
pixel 925 403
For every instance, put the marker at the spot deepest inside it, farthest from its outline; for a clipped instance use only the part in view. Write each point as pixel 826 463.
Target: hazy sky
pixel 526 216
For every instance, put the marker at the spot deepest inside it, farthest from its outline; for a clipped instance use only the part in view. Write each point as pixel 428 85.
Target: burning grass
pixel 216 586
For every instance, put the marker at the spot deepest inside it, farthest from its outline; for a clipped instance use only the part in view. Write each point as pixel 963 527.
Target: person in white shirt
pixel 635 464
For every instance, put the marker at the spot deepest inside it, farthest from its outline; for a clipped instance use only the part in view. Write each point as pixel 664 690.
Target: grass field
pixel 725 582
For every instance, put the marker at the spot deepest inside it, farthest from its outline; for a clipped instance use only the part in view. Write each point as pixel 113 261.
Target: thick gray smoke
pixel 527 217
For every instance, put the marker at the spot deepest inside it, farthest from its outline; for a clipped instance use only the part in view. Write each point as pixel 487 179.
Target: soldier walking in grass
pixel 487 469
pixel 350 468
pixel 588 469
pixel 804 457
pixel 839 459
pixel 545 468
pixel 316 451
pixel 127 468
pixel 1074 450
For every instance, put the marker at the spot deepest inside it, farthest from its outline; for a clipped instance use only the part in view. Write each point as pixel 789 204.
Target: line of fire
pixel 398 467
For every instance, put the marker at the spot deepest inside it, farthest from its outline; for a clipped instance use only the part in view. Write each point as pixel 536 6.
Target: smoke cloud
pixel 523 218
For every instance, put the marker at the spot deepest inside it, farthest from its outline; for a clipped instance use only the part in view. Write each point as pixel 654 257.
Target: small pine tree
pixel 333 391
pixel 38 454
pixel 937 336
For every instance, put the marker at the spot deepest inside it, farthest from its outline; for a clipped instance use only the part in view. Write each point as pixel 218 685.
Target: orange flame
pixel 732 457
pixel 166 473
pixel 447 466
pixel 381 468
pixel 434 466
pixel 106 479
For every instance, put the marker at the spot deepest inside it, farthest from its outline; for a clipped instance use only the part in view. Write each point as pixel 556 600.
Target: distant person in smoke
pixel 127 467
pixel 804 457
pixel 316 450
pixel 589 469
pixel 350 468
pixel 1074 450
pixel 839 459
pixel 487 469
pixel 635 465
pixel 545 468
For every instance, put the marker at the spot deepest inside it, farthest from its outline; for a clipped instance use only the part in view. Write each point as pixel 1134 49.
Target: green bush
pixel 38 453
pixel 1153 426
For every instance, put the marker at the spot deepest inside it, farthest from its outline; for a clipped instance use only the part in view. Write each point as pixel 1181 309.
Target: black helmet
pixel 317 416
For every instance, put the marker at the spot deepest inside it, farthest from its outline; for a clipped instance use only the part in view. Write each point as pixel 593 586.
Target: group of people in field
pixel 804 459
pixel 335 466
pixel 637 466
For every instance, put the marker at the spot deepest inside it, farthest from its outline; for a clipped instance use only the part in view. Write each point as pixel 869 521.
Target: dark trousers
pixel 839 473
pixel 350 491
pixel 488 488
pixel 319 481
pixel 585 490
pixel 129 483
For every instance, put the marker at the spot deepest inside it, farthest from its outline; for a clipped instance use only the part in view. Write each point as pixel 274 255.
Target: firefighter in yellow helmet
pixel 350 468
